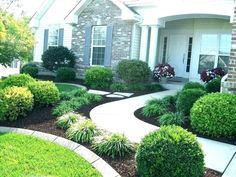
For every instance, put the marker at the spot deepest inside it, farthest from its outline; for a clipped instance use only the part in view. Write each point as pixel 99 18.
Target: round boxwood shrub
pixel 213 85
pixel 187 98
pixel 19 80
pixel 170 151
pixel 133 71
pixel 215 115
pixel 31 69
pixel 65 74
pixel 45 93
pixel 193 85
pixel 56 57
pixel 99 77
pixel 17 102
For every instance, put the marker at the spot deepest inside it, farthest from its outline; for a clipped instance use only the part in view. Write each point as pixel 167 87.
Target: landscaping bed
pixel 41 119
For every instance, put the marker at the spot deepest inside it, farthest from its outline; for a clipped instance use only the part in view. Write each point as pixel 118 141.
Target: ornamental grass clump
pixel 193 85
pixel 66 121
pixel 154 108
pixel 170 151
pixel 83 132
pixel 114 146
pixel 172 119
pixel 215 115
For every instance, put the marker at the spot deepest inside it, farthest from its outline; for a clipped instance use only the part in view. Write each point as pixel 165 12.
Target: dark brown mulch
pixel 41 119
pixel 154 121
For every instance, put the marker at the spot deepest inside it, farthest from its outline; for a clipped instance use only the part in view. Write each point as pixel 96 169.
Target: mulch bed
pixel 41 119
pixel 154 121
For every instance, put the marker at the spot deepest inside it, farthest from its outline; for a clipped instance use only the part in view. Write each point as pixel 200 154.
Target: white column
pixel 153 47
pixel 144 43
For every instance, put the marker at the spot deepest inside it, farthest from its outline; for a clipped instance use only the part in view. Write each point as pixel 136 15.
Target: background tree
pixel 16 39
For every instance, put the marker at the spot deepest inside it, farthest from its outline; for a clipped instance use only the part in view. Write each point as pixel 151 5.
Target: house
pixel 10 70
pixel 189 35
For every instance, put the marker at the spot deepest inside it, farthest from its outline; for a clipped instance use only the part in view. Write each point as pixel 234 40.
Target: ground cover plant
pixel 23 155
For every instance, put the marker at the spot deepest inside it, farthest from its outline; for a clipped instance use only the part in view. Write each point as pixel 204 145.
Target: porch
pixel 190 44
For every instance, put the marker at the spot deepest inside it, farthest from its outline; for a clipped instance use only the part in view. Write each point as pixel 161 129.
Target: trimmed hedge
pixel 19 80
pixel 133 71
pixel 215 115
pixel 56 57
pixel 31 69
pixel 99 77
pixel 187 98
pixel 45 93
pixel 15 102
pixel 65 74
pixel 213 85
pixel 170 152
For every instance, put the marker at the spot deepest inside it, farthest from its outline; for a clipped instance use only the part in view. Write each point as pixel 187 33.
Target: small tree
pixel 16 39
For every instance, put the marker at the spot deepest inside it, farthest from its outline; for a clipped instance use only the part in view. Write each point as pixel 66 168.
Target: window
pixel 215 51
pixel 164 50
pixel 53 37
pixel 98 44
pixel 190 43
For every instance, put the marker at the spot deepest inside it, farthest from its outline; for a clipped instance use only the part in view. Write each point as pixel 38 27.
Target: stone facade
pixel 230 84
pixel 102 12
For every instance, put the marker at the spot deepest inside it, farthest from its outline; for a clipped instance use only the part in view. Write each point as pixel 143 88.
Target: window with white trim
pixel 53 37
pixel 215 51
pixel 98 45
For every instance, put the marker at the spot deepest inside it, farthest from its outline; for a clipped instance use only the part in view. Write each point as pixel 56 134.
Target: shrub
pixel 187 98
pixel 92 97
pixel 133 71
pixel 171 151
pixel 213 85
pixel 98 77
pixel 65 74
pixel 69 106
pixel 215 115
pixel 114 146
pixel 45 93
pixel 30 69
pixel 16 101
pixel 172 119
pixel 82 133
pixel 137 87
pixel 154 108
pixel 153 87
pixel 56 57
pixel 118 87
pixel 193 85
pixel 66 121
pixel 19 80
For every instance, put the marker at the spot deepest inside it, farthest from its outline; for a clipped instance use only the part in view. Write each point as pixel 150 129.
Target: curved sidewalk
pixel 105 169
pixel 118 117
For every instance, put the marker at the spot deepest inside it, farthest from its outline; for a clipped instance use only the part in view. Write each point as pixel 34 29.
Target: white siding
pixel 6 71
pixel 136 38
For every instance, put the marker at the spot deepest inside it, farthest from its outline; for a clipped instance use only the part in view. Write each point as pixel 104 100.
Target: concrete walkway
pixel 118 117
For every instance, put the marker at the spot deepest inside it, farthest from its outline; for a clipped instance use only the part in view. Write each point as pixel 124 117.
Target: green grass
pixel 25 156
pixel 66 87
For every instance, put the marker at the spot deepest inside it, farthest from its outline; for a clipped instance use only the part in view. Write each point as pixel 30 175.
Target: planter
pixel 163 80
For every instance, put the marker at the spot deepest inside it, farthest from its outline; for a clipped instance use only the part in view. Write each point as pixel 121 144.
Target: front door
pixel 177 57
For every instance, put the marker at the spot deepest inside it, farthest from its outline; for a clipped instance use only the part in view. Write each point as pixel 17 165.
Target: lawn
pixel 66 87
pixel 23 156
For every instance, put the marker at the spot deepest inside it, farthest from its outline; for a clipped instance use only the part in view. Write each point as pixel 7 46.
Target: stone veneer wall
pixel 102 12
pixel 230 84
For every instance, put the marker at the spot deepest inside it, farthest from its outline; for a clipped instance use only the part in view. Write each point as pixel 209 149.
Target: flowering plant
pixel 211 74
pixel 163 70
